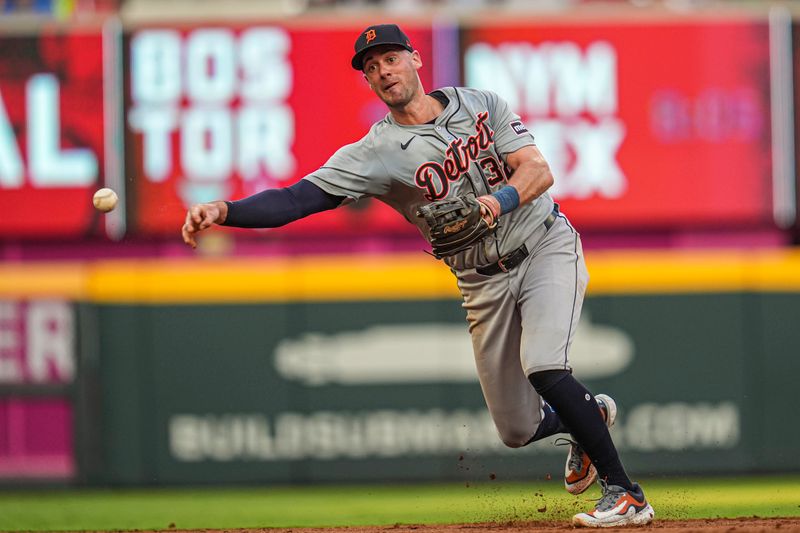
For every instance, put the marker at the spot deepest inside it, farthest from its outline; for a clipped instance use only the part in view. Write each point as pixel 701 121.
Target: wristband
pixel 508 198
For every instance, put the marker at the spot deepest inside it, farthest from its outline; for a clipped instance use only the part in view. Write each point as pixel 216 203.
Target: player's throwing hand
pixel 200 217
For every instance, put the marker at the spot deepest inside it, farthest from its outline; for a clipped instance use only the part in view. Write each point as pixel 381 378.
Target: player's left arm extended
pixel 530 178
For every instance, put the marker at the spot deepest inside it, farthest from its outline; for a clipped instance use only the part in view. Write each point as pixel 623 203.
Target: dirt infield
pixel 737 525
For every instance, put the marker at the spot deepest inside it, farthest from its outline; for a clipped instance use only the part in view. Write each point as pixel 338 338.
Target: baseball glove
pixel 456 224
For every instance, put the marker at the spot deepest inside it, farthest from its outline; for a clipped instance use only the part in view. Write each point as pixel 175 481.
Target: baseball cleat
pixel 579 472
pixel 617 507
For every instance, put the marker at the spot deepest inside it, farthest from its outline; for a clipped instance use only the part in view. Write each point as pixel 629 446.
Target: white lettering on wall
pixel 224 109
pixel 50 341
pixel 330 435
pixel 393 433
pixel 49 164
pixel 680 426
pixel 210 66
pixel 156 123
pixel 267 73
pixel 37 342
pixel 568 96
pixel 206 139
pixel 549 79
pixel 11 334
pixel 263 130
pixel 155 64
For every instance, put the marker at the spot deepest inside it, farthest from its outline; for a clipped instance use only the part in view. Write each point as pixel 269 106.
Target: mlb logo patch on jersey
pixel 518 127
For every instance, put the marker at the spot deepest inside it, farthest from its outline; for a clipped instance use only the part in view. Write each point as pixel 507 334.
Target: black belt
pixel 512 260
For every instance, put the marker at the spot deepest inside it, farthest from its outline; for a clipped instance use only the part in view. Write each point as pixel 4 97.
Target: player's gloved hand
pixel 200 217
pixel 457 223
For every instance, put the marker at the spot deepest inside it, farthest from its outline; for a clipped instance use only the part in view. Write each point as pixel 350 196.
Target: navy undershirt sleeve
pixel 277 207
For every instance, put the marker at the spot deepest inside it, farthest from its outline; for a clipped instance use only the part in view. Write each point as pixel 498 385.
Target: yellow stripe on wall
pixel 301 278
pixel 381 277
pixel 693 271
pixel 43 280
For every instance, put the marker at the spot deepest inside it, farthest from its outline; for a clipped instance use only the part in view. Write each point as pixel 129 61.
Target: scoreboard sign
pixel 51 133
pixel 223 112
pixel 644 125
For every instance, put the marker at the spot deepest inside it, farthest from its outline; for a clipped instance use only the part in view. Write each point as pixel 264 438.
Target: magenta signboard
pixel 37 358
pixel 36 438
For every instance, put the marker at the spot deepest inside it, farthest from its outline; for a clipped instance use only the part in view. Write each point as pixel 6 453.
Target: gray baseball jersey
pixel 462 152
pixel 521 321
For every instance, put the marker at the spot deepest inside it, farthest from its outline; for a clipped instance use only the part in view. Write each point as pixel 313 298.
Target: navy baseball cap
pixel 375 36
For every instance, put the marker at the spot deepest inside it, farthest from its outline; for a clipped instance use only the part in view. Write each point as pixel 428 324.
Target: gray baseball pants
pixel 523 321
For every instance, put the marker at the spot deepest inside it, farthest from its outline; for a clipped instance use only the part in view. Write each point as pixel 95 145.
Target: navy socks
pixel 550 425
pixel 577 410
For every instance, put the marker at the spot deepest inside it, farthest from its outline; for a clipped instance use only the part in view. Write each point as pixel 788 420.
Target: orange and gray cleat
pixel 616 508
pixel 579 472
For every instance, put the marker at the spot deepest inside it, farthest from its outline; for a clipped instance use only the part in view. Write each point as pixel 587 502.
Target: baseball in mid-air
pixel 104 200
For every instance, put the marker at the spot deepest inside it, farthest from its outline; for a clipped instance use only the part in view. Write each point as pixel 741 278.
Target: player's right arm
pixel 271 208
pixel 352 173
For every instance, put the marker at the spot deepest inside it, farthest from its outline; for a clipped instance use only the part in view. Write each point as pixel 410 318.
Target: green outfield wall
pixel 371 377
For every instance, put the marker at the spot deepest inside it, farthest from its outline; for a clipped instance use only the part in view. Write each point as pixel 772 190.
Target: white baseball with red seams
pixel 105 200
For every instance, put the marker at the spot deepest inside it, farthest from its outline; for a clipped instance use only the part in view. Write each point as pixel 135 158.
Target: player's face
pixel 391 72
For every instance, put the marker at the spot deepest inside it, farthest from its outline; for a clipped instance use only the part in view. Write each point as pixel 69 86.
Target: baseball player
pixel 459 164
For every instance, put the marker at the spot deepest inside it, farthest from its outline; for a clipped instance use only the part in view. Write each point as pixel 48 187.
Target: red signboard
pixel 647 124
pixel 224 112
pixel 644 125
pixel 51 133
